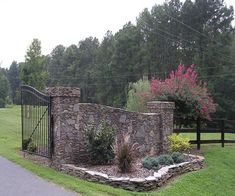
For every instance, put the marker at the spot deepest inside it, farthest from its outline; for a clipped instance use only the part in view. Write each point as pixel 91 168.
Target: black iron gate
pixel 37 135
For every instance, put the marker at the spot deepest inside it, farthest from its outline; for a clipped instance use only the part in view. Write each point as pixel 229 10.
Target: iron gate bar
pixel 36 121
pixel 35 92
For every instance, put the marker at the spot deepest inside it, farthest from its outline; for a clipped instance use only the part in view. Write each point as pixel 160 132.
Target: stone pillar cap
pixel 161 104
pixel 60 91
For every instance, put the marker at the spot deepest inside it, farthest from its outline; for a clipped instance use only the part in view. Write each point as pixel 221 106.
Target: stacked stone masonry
pixel 136 184
pixel 71 118
pixel 166 117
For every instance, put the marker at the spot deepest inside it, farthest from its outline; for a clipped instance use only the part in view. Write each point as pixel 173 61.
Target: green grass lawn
pixel 213 136
pixel 218 178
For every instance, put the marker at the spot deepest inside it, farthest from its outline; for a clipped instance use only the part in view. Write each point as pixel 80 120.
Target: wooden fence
pixel 199 126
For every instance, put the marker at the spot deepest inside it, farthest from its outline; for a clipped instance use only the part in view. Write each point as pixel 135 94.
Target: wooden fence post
pixel 222 132
pixel 198 133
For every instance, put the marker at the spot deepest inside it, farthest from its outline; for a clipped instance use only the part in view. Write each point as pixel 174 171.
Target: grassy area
pixel 213 136
pixel 216 179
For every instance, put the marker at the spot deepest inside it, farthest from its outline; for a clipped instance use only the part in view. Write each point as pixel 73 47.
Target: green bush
pixel 26 143
pixel 165 159
pixel 178 143
pixel 162 160
pixel 32 147
pixel 177 157
pixel 125 153
pixel 150 163
pixel 138 96
pixel 100 144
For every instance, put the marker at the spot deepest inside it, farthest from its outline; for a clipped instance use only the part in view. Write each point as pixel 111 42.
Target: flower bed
pixel 154 180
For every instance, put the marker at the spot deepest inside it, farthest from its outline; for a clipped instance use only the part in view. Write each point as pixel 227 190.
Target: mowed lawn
pixel 218 178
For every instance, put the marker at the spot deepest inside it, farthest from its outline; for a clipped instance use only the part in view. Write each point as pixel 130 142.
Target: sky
pixel 64 22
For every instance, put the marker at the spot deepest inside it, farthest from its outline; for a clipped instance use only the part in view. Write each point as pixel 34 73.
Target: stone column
pixel 65 106
pixel 166 111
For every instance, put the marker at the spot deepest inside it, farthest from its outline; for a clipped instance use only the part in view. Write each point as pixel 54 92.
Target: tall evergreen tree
pixel 33 71
pixel 103 71
pixel 4 90
pixel 57 66
pixel 175 32
pixel 13 76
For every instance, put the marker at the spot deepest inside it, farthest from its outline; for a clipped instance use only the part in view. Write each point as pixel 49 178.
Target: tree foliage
pixel 172 33
pixel 176 32
pixel 14 81
pixel 33 70
pixel 4 90
pixel 138 95
pixel 191 97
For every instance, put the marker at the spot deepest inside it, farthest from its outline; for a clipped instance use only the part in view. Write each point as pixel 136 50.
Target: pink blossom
pixel 183 85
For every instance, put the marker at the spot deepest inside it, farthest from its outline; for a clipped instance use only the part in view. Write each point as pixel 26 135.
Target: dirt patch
pixel 112 170
pixel 36 159
pixel 138 171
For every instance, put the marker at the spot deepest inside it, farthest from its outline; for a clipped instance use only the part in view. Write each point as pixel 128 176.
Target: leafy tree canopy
pixel 33 69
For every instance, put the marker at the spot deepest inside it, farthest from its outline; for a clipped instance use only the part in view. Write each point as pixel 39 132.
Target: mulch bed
pixel 138 171
pixel 112 170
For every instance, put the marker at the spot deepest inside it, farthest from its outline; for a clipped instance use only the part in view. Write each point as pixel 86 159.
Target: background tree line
pixel 169 34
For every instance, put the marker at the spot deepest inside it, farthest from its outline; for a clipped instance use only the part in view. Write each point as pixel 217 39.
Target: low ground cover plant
pixel 32 147
pixel 26 143
pixel 163 160
pixel 150 163
pixel 177 157
pixel 29 145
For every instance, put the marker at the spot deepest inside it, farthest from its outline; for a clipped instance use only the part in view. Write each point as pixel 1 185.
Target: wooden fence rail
pixel 202 126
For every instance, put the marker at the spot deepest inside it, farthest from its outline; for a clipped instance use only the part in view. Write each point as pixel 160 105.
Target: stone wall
pixel 166 109
pixel 158 179
pixel 63 108
pixel 143 128
pixel 70 119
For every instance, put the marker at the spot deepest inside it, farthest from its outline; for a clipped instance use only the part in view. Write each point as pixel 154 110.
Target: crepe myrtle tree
pixel 190 95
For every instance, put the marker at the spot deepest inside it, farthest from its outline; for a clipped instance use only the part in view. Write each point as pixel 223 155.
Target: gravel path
pixel 15 180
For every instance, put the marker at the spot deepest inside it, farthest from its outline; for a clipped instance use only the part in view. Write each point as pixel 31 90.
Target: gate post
pixel 166 111
pixel 64 104
pixel 198 133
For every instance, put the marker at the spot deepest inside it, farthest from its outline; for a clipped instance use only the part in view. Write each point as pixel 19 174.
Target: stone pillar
pixel 166 111
pixel 65 105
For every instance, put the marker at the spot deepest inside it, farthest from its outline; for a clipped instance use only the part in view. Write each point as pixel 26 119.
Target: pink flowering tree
pixel 191 96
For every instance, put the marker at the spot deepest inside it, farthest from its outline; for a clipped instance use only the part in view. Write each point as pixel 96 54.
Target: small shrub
pixel 150 163
pixel 26 143
pixel 165 159
pixel 138 96
pixel 32 147
pixel 177 157
pixel 178 143
pixel 100 144
pixel 125 154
